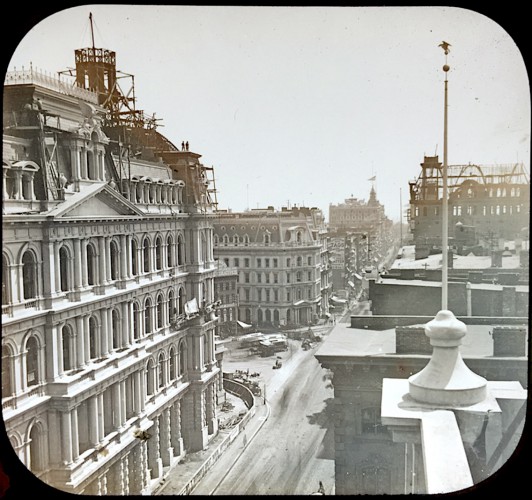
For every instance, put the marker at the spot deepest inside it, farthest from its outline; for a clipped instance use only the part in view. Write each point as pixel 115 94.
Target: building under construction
pixel 110 375
pixel 488 206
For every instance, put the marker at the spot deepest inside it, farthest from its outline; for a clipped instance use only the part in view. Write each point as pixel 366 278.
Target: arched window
pixel 91 264
pixel 170 251
pixel 66 336
pixel 246 240
pixel 248 315
pixel 268 316
pixel 146 254
pixel 182 358
pixel 160 308
pixel 298 276
pixel 92 169
pixel 63 269
pixel 216 240
pixel 298 237
pixel 171 310
pixel 267 239
pixel 147 316
pixel 115 321
pixel 236 240
pixel 7 376
pixel 158 253
pixel 29 275
pixel 276 316
pixel 203 249
pixel 136 326
pixel 259 316
pixel 180 250
pixel 150 377
pixel 32 362
pixel 172 360
pixel 288 316
pixel 36 458
pixel 134 258
pixel 225 240
pixel 6 282
pixel 181 302
pixel 115 261
pixel 162 367
pixel 94 350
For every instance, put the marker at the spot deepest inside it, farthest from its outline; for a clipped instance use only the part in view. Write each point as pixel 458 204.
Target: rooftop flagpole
pixel 445 211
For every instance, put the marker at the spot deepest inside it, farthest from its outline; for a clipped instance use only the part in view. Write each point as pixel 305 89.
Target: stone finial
pixel 446 380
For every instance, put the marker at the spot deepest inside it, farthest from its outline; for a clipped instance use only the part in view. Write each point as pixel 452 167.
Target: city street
pixel 294 449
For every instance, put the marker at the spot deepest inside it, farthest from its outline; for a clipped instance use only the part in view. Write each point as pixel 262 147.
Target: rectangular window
pixel 288 299
pixel 275 278
pixel 246 277
pixel 267 277
pixel 246 291
pixel 309 260
pixel 237 262
pixel 266 262
pixel 310 276
pixel 246 262
pixel 259 262
pixel 275 295
pixel 226 262
pixel 274 262
pixel 288 277
pixel 267 295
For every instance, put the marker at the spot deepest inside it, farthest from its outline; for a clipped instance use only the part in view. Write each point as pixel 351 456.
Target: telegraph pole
pixel 445 215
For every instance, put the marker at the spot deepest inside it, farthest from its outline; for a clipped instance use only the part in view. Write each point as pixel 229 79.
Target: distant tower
pixel 373 197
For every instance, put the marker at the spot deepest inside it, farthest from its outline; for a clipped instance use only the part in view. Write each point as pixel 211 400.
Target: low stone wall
pixel 217 453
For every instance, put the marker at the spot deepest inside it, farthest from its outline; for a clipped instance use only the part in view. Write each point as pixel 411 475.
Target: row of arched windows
pixel 236 240
pixel 163 369
pixel 166 255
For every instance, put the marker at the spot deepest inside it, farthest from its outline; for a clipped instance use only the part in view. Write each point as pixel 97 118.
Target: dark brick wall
pixel 412 340
pixel 509 340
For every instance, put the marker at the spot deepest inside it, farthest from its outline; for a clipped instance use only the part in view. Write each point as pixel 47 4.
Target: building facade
pixel 226 300
pixel 109 372
pixel 281 257
pixel 487 205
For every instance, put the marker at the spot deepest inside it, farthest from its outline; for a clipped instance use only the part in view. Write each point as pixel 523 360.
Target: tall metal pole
pixel 445 214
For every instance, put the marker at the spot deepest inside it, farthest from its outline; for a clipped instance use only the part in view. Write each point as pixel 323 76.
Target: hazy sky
pixel 302 105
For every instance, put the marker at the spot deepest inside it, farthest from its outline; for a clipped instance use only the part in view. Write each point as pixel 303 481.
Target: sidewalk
pixel 229 443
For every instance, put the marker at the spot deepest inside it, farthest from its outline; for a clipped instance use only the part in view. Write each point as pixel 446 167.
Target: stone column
pixel 101 427
pixel 117 405
pixel 154 459
pixel 107 247
pixel 86 338
pixel 80 342
pixel 126 331
pixel 124 257
pixel 29 180
pixel 66 437
pixel 124 476
pixel 77 265
pixel 18 184
pixel 75 434
pixel 137 395
pixel 5 193
pixel 93 420
pixel 102 267
pixel 166 445
pixel 212 423
pixel 102 485
pixel 104 334
pixel 175 425
pixel 57 274
pixel 83 162
pixel 74 163
pixel 123 409
pixel 84 275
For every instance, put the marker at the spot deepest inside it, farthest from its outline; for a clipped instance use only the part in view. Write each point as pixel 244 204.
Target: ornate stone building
pixel 109 373
pixel 282 261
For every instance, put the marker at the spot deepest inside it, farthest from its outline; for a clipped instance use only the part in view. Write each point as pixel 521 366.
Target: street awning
pixel 336 300
pixel 243 325
pixel 358 277
pixel 351 284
